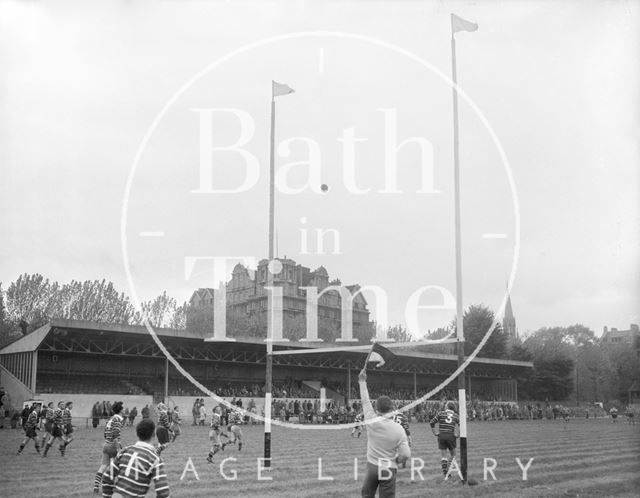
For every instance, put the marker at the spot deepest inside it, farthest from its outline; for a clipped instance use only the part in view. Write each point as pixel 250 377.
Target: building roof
pixel 405 352
pixel 32 340
pixel 29 342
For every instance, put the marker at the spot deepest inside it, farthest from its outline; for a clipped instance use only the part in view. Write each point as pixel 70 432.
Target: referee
pixel 387 444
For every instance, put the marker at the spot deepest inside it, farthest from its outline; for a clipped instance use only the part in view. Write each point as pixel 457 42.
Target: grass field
pixel 588 458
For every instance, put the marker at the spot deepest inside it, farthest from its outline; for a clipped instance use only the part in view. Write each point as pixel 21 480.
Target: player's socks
pixel 240 446
pixel 21 448
pixel 46 449
pixel 37 448
pixel 444 463
pixel 97 482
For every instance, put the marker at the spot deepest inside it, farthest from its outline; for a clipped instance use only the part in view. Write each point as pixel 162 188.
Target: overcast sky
pixel 553 84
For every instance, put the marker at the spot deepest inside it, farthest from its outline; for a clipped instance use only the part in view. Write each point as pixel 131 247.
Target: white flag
pixel 278 89
pixel 459 24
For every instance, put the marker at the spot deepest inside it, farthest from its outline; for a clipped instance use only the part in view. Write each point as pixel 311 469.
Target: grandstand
pixel 87 362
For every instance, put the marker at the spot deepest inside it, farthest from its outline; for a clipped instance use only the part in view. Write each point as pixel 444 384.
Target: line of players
pixel 57 426
pixel 114 476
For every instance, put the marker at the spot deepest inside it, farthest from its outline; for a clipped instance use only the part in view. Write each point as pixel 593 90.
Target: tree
pixel 179 318
pixel 623 368
pixel 31 298
pixel 552 377
pixel 552 352
pixel 160 311
pixel 399 333
pixel 477 321
pixel 8 332
pixel 93 300
pixel 439 333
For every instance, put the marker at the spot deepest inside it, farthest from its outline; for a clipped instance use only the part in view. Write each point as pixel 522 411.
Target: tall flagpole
pixel 270 314
pixel 462 398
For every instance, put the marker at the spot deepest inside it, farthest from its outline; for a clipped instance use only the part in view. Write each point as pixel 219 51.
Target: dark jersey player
pixel 357 429
pixel 67 427
pixel 30 428
pixel 56 428
pixel 448 426
pixel 401 419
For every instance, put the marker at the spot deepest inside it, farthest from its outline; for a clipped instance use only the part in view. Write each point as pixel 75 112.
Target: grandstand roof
pixel 79 336
pixel 29 342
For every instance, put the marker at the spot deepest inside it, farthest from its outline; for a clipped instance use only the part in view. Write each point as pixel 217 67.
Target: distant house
pixel 615 336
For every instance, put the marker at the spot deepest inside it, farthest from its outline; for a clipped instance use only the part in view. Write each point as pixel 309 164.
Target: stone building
pixel 247 303
pixel 615 336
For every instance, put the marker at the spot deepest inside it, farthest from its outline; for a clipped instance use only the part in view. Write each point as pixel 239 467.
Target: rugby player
pixel 163 431
pixel 401 419
pixel 56 428
pixel 176 422
pixel 111 443
pixel 134 468
pixel 48 422
pixel 358 428
pixel 614 414
pixel 214 434
pixel 67 427
pixel 630 415
pixel 30 428
pixel 235 421
pixel 447 432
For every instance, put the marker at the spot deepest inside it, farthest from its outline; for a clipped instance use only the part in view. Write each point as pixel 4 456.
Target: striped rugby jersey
pixel 163 420
pixel 32 421
pixel 215 420
pixel 235 418
pixel 401 418
pixel 446 420
pixel 113 428
pixel 49 415
pixel 66 416
pixel 57 416
pixel 132 471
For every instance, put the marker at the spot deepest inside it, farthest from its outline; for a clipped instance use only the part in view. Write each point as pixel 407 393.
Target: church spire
pixel 509 320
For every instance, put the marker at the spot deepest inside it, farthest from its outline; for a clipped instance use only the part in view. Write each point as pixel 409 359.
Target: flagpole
pixel 269 356
pixel 462 402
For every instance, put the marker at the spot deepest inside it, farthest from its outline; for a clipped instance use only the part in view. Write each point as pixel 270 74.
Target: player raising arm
pixel 387 444
pixel 448 426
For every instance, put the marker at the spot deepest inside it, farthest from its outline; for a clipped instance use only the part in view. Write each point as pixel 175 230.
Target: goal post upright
pixel 458 24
